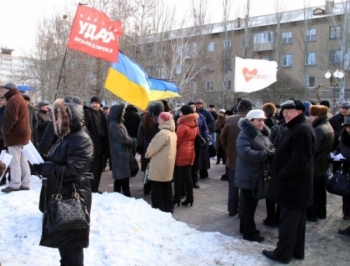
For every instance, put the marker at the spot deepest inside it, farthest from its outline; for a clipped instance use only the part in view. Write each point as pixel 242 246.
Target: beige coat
pixel 162 151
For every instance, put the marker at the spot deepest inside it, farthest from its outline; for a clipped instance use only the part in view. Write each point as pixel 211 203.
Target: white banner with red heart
pixel 254 74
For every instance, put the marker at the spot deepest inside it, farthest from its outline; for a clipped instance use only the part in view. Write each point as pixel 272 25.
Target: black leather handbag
pixel 134 166
pixel 66 213
pixel 339 184
pixel 261 181
pixel 200 141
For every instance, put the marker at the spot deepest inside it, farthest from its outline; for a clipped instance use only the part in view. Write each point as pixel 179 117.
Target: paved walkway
pixel 324 246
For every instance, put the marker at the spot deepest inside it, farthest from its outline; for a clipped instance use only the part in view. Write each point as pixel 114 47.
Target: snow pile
pixel 124 231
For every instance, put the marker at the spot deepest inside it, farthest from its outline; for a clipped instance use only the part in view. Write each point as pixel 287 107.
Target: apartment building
pixel 305 43
pixel 11 67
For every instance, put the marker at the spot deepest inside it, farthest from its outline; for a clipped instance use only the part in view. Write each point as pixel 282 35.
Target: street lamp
pixel 338 74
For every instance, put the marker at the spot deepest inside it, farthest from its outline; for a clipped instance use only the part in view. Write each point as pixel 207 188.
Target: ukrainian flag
pixel 162 89
pixel 129 81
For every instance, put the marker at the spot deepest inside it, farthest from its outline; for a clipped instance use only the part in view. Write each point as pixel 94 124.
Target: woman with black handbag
pixel 121 146
pixel 69 159
pixel 253 149
pixel 344 148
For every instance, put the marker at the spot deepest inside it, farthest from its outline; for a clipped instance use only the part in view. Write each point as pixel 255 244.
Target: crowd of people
pixel 291 142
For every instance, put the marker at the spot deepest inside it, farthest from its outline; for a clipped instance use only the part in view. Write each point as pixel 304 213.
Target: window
pixel 150 52
pixel 334 57
pixel 263 37
pixel 287 60
pixel 311 82
pixel 310 59
pixel 287 37
pixel 227 44
pixel 191 50
pixel 266 57
pixel 7 59
pixel 334 32
pixel 211 47
pixel 210 86
pixel 311 35
pixel 227 65
pixel 227 85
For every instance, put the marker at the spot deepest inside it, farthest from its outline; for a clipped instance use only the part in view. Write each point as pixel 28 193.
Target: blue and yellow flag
pixel 162 89
pixel 129 81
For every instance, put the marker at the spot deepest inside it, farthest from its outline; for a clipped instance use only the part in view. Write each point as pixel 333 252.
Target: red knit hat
pixel 165 116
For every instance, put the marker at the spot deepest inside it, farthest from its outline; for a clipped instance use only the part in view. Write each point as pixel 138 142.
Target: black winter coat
pixel 48 139
pixel 336 122
pixel 73 154
pixel 2 110
pixel 132 121
pixel 323 145
pixel 292 166
pixel 252 146
pixel 43 121
pixel 344 149
pixel 121 144
pixel 101 143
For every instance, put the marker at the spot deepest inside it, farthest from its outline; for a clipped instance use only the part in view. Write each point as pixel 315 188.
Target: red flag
pixel 95 34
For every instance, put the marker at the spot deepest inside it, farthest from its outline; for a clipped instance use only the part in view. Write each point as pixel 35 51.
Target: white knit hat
pixel 256 113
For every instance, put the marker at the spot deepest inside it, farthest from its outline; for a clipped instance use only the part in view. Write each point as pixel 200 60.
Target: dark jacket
pixel 270 121
pixel 344 149
pixel 132 121
pixel 229 136
pixel 323 144
pixel 73 154
pixel 208 119
pixel 292 166
pixel 252 146
pixel 43 121
pixel 144 138
pixel 98 134
pixel 33 119
pixel 121 143
pixel 2 111
pixel 48 139
pixel 15 125
pixel 277 132
pixel 336 122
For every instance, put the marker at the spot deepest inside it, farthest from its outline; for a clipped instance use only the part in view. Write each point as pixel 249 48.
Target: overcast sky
pixel 18 18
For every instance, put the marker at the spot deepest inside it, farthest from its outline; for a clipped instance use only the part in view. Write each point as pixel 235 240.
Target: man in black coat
pixel 291 182
pixel 337 120
pixel 43 120
pixel 33 119
pixel 96 124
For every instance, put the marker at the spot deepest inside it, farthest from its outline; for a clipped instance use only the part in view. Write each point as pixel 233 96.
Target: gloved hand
pixel 270 154
pixel 38 168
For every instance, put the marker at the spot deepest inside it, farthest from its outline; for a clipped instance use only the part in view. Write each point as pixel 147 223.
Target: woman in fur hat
pixel 71 157
pixel 323 146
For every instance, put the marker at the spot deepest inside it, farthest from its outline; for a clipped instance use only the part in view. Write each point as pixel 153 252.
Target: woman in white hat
pixel 253 149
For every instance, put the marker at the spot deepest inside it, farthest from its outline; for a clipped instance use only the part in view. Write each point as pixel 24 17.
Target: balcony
pixel 261 47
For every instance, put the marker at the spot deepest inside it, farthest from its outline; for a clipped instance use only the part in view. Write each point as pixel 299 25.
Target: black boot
pixel 177 201
pixel 345 232
pixel 187 201
pixel 3 181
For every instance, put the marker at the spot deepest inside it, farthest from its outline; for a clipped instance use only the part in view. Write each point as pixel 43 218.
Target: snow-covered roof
pixel 254 22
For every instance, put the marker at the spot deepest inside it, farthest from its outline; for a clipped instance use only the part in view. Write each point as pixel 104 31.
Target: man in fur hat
pixel 269 110
pixel 291 182
pixel 323 146
pixel 16 133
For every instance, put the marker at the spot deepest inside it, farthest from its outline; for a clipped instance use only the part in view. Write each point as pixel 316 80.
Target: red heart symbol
pixel 249 74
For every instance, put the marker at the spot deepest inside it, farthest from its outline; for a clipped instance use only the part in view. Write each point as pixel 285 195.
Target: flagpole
pixel 59 77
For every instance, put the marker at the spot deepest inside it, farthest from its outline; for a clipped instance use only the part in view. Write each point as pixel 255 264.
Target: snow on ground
pixel 124 231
